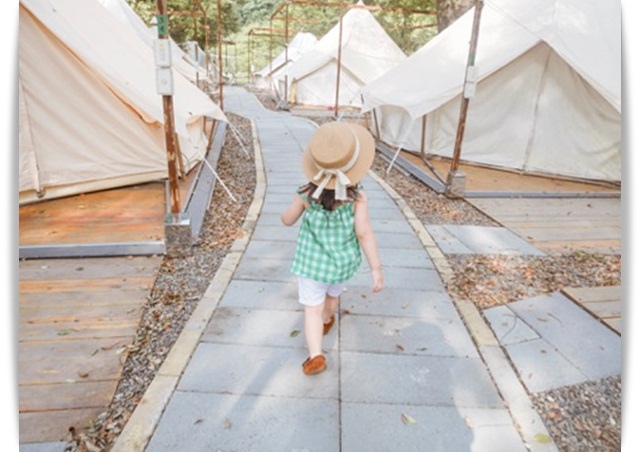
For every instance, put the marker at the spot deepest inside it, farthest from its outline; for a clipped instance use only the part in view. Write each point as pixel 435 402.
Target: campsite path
pixel 404 370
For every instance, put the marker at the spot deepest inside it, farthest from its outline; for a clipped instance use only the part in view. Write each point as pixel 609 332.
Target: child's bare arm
pixel 367 240
pixel 293 212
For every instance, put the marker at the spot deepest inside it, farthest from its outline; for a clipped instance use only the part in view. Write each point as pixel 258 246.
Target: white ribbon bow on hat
pixel 342 181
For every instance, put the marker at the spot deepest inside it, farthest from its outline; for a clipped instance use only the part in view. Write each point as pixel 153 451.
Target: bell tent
pixel 89 114
pixel 366 52
pixel 298 46
pixel 548 98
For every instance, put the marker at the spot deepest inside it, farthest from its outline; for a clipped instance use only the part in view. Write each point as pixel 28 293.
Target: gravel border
pixel 584 417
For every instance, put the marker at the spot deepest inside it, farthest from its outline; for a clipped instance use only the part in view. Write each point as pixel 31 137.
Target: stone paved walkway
pixel 404 372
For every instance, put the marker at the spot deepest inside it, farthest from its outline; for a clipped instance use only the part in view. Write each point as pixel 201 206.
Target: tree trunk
pixel 450 10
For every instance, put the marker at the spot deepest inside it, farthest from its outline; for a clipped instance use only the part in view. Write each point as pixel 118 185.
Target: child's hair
pixel 327 197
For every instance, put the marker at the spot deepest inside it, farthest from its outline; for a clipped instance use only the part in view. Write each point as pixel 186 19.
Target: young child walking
pixel 335 228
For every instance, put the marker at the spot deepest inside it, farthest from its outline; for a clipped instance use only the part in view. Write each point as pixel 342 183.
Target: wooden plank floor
pixel 605 303
pixel 560 225
pixel 120 215
pixel 478 178
pixel 76 317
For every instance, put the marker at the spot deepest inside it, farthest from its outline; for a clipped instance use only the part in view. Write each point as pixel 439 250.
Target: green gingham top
pixel 327 249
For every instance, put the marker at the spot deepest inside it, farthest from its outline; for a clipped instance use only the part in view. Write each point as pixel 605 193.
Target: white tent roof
pixel 367 52
pixel 180 61
pixel 299 45
pixel 549 96
pixel 90 116
pixel 586 34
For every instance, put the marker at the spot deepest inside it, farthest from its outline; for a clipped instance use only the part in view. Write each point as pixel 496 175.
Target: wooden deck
pixel 590 222
pixel 562 225
pixel 127 214
pixel 479 178
pixel 121 215
pixel 604 303
pixel 76 318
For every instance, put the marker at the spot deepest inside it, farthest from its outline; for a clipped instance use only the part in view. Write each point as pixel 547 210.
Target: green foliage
pixel 409 30
pixel 254 11
pixel 240 17
pixel 189 19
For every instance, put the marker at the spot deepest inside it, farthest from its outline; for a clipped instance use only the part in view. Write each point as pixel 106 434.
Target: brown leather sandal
pixel 327 326
pixel 314 365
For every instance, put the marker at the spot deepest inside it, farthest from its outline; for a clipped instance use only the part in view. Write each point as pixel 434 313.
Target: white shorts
pixel 313 293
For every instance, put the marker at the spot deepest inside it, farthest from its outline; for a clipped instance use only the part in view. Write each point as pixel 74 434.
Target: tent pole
pixel 342 10
pixel 286 76
pixel 424 128
pixel 397 153
pixel 286 23
pixel 375 122
pixel 423 156
pixel 169 129
pixel 206 38
pixel 455 179
pixel 249 59
pixel 214 126
pixel 220 80
pixel 270 45
pixel 181 171
pixel 286 51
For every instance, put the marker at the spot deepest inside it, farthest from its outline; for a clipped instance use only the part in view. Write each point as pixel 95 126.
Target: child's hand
pixel 378 279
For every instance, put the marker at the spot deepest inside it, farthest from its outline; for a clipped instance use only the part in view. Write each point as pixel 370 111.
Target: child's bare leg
pixel 313 329
pixel 330 307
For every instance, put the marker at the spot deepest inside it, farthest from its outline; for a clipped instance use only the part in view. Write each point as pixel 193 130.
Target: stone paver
pixel 209 422
pixel 427 429
pixel 553 342
pixel 463 239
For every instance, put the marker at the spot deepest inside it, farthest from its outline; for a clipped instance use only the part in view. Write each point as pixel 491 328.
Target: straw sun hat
pixel 337 156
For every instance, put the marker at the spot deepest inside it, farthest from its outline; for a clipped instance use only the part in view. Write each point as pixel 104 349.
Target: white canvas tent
pixel 367 52
pixel 179 59
pixel 549 96
pixel 89 114
pixel 299 45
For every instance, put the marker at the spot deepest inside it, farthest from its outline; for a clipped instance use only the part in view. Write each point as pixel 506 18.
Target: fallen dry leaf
pixel 542 438
pixel 407 419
